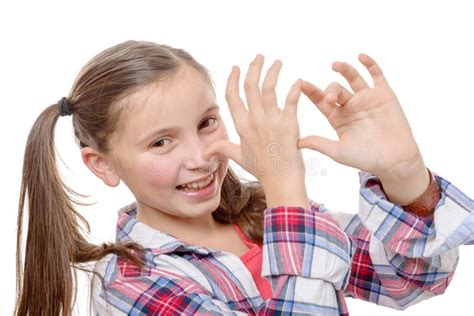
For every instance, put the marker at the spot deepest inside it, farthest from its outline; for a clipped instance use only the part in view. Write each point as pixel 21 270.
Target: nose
pixel 194 160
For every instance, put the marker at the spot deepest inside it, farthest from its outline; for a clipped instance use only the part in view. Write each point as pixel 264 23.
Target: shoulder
pixel 100 278
pixel 105 265
pixel 128 288
pixel 117 270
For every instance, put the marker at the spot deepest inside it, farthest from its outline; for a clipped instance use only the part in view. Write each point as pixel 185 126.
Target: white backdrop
pixel 424 48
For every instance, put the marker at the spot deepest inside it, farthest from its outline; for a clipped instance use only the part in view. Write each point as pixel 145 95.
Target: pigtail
pixel 55 242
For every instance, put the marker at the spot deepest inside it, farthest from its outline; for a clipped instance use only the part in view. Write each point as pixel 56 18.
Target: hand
pixel 268 134
pixel 374 134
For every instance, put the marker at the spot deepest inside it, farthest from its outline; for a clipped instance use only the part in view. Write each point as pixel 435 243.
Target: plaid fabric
pixel 313 258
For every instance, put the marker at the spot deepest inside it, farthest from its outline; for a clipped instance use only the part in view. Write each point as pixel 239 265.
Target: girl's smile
pixel 201 189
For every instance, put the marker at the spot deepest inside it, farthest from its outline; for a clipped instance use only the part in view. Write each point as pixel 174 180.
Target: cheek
pixel 160 172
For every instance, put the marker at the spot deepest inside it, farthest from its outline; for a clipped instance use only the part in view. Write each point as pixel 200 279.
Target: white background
pixel 424 48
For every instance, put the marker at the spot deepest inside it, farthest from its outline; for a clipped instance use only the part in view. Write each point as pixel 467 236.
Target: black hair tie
pixel 64 107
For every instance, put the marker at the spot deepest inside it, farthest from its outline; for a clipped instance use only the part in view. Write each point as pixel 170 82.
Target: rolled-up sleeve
pixel 400 259
pixel 306 258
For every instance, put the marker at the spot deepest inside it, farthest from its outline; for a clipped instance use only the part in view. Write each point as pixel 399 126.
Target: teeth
pixel 198 185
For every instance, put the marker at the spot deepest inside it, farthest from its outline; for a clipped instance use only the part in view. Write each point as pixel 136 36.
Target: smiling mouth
pixel 199 185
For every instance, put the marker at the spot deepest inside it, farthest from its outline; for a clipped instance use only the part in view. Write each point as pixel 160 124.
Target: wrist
pixel 286 192
pixel 407 185
pixel 425 204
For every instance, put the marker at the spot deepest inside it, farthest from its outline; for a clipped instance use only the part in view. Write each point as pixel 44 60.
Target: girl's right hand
pixel 268 135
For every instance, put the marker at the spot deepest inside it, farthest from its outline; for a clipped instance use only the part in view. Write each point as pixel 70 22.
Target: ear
pixel 100 165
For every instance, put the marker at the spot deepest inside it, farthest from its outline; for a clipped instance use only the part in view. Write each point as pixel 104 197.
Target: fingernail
pixel 331 97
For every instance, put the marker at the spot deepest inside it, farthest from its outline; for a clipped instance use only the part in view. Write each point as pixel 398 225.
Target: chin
pixel 204 208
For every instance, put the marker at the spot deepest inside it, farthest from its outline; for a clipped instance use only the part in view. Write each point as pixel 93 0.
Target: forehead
pixel 176 101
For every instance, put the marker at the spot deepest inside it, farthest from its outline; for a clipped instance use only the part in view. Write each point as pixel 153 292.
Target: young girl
pixel 197 240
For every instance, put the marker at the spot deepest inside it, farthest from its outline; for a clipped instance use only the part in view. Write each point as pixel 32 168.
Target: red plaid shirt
pixel 312 258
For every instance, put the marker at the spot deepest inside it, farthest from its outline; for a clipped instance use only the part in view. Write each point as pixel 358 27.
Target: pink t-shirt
pixel 252 259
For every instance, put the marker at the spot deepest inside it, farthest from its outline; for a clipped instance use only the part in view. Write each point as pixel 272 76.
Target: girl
pixel 199 241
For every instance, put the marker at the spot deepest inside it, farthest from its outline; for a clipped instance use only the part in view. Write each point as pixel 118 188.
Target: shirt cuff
pixel 412 236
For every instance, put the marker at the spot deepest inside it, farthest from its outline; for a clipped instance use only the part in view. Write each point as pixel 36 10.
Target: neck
pixel 192 230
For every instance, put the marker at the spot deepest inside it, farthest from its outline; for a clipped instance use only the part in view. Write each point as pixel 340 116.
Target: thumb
pixel 224 148
pixel 318 143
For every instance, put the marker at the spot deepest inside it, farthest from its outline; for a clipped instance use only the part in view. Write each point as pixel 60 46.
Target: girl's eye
pixel 159 143
pixel 162 142
pixel 207 120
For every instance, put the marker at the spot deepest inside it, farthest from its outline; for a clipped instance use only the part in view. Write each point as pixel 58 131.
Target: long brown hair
pixel 56 241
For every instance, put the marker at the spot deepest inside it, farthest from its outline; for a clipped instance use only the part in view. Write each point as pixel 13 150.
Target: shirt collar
pixel 129 229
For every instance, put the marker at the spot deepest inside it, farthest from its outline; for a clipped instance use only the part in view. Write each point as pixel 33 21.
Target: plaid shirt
pixel 312 258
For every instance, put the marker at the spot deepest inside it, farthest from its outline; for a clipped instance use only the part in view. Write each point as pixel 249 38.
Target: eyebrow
pixel 171 129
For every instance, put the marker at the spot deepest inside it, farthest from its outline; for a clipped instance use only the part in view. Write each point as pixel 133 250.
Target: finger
pixel 269 97
pixel 236 104
pixel 292 99
pixel 251 86
pixel 323 145
pixel 352 76
pixel 316 95
pixel 336 93
pixel 224 149
pixel 373 68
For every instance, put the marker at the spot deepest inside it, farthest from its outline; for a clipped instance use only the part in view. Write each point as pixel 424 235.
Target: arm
pixel 306 259
pixel 399 258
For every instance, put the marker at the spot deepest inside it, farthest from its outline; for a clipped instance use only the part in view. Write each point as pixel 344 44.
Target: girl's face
pixel 166 129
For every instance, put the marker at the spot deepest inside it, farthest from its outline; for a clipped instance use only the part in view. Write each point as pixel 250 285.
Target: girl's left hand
pixel 374 134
